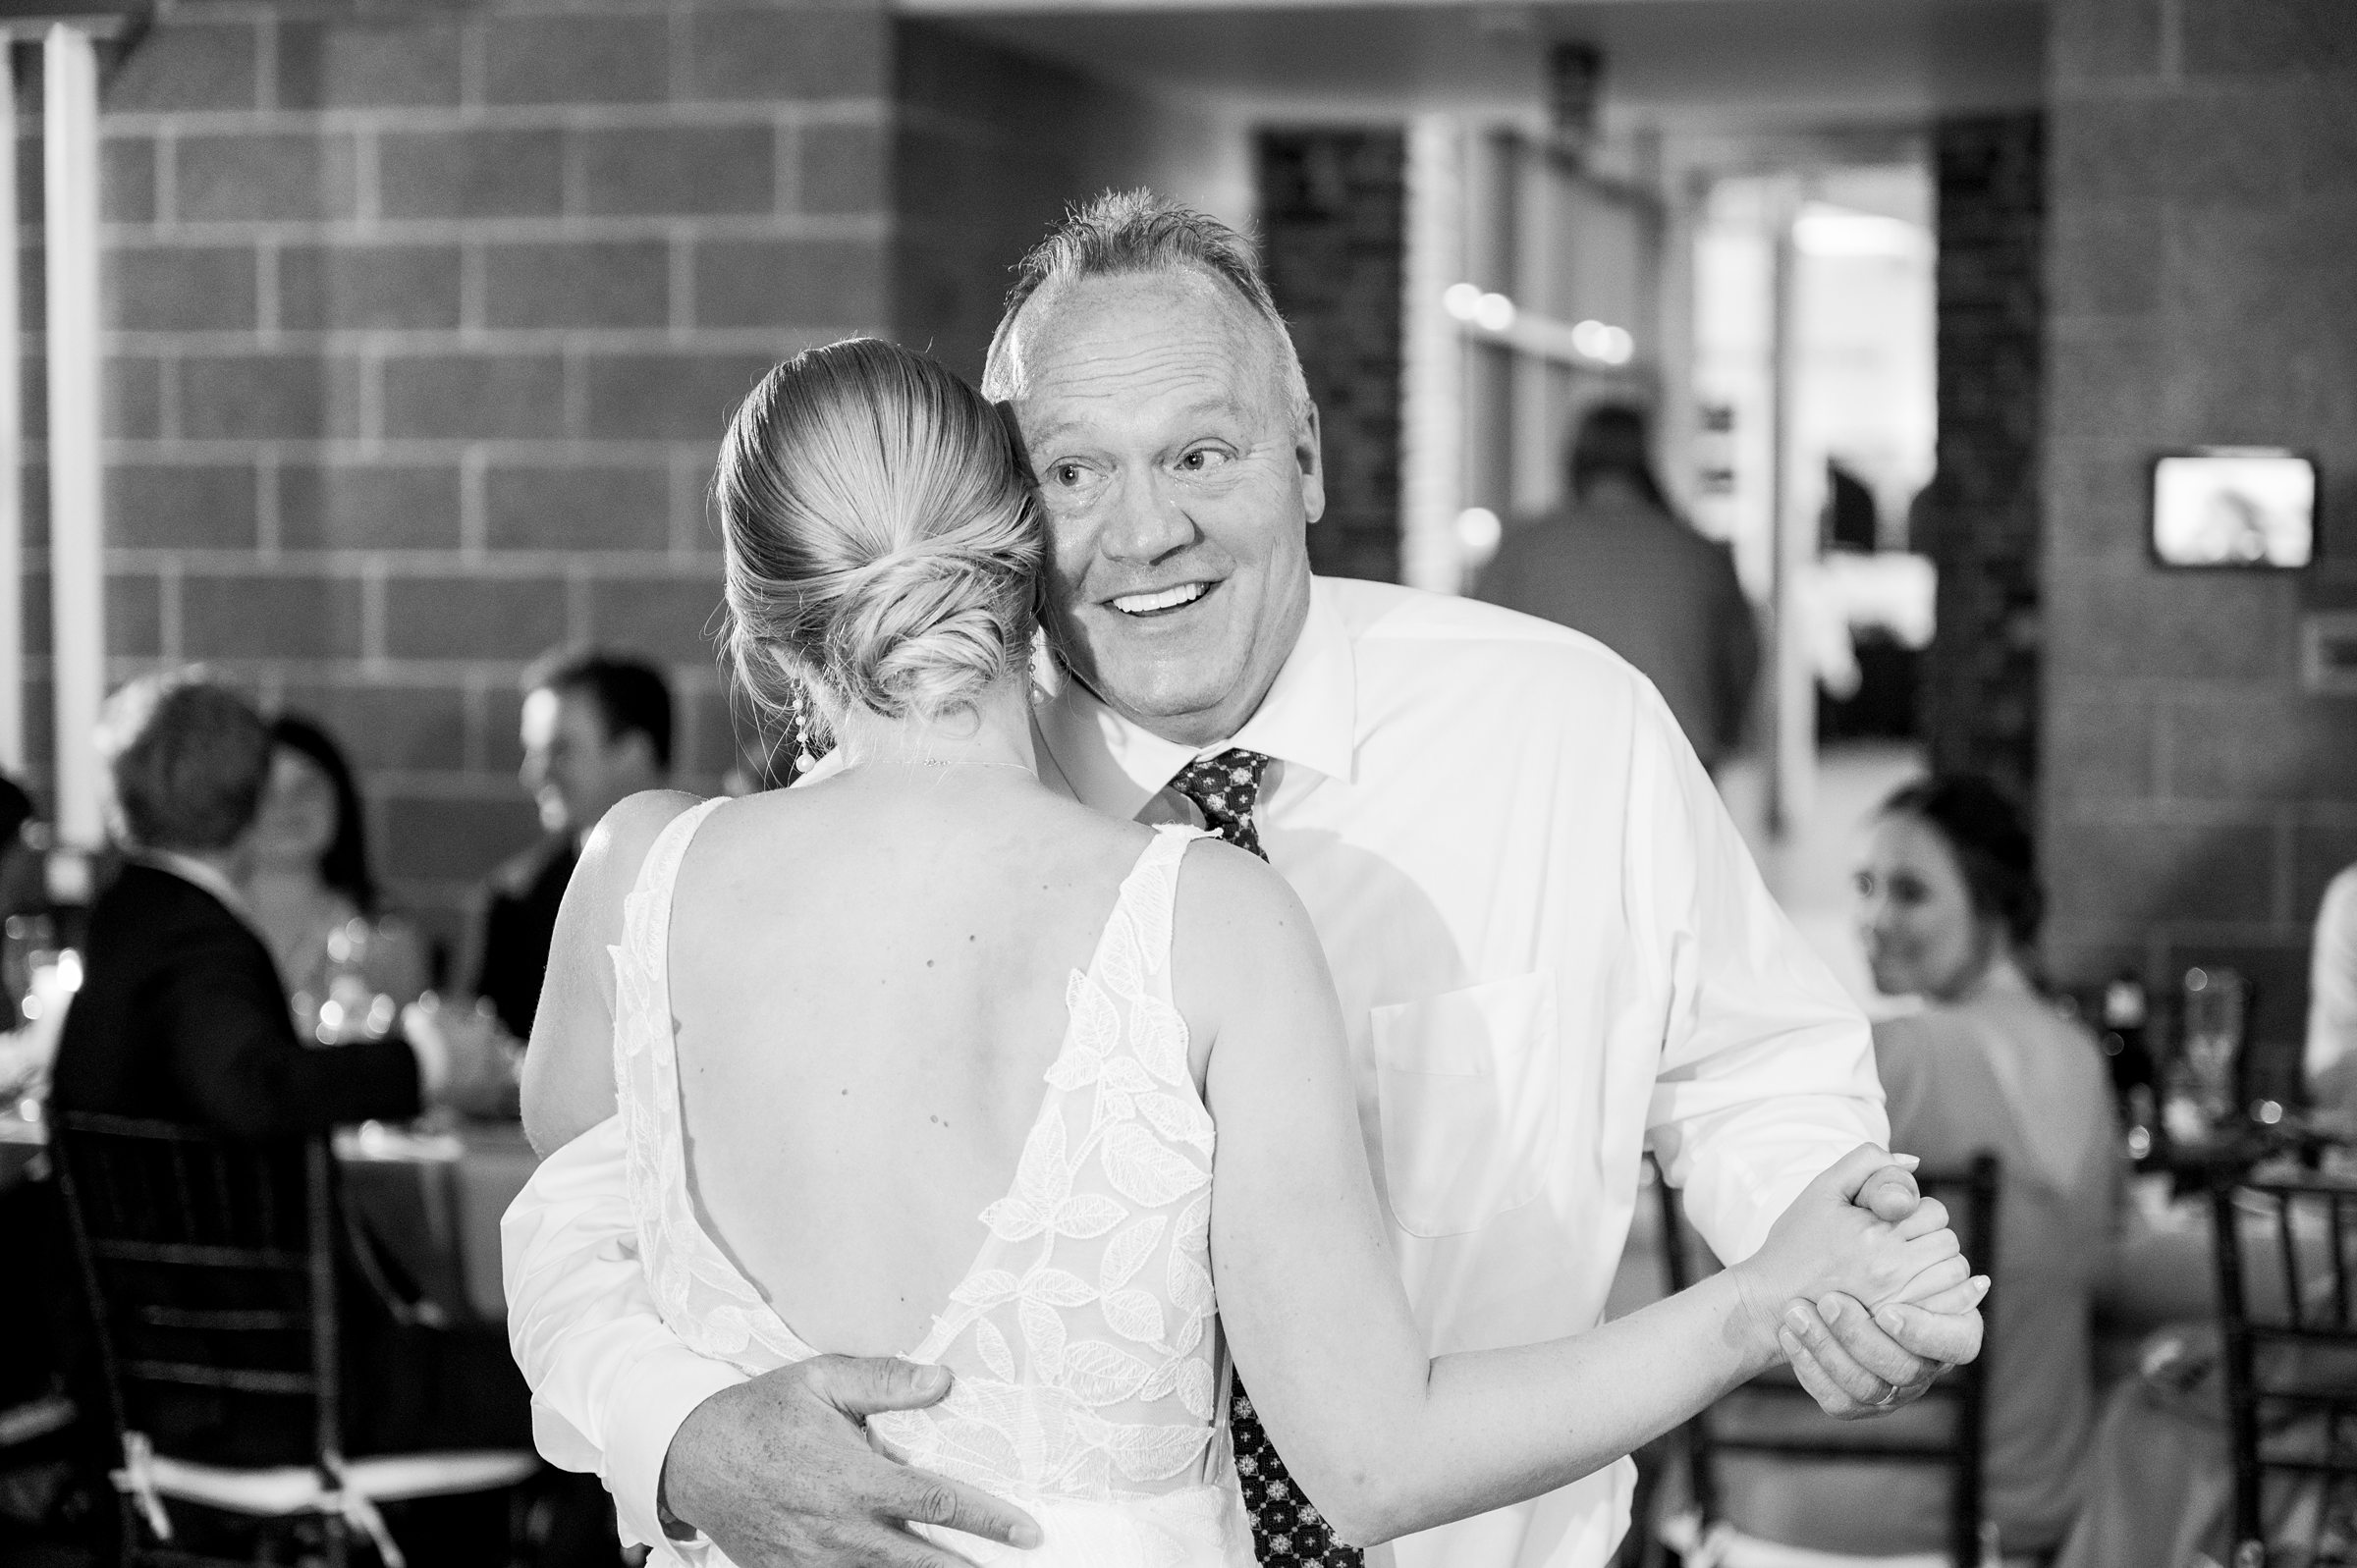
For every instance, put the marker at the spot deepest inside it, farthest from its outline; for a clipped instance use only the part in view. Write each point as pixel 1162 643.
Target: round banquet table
pixel 431 1199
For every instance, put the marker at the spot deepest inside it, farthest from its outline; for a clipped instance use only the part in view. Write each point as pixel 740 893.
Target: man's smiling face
pixel 1178 478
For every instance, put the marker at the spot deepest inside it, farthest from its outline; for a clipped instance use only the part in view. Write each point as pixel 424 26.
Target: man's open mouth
pixel 1162 600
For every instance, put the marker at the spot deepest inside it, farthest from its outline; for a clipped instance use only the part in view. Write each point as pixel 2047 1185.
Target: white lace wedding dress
pixel 1082 1338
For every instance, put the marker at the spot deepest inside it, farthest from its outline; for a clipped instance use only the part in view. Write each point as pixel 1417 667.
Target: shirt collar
pixel 189 869
pixel 1308 719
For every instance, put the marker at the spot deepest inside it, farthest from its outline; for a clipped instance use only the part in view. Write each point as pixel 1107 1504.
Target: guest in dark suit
pixel 596 728
pixel 181 1017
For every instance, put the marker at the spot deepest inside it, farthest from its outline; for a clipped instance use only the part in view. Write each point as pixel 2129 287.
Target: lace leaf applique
pixel 1144 1169
pixel 985 1288
pixel 1158 1033
pixel 1057 1288
pixel 1099 1374
pixel 1180 1121
pixel 991 1346
pixel 1194 1388
pixel 1128 1252
pixel 1088 1216
pixel 1135 1315
pixel 1043 1337
pixel 1043 1181
pixel 1143 1452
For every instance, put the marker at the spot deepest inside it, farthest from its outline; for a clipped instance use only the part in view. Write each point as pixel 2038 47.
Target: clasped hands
pixel 1860 1358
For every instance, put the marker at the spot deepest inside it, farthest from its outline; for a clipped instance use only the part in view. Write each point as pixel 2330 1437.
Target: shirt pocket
pixel 1466 1085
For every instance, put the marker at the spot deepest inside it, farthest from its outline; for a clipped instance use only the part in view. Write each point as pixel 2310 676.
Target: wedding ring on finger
pixel 1891 1398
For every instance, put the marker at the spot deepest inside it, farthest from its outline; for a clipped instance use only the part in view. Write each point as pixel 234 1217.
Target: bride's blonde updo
pixel 882 546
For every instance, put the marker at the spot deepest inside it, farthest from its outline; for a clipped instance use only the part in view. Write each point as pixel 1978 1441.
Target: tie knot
pixel 1225 788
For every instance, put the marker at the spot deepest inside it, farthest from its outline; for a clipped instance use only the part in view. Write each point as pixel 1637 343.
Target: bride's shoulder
pixel 617 847
pixel 1239 928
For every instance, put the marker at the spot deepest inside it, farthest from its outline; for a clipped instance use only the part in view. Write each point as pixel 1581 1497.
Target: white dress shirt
pixel 1551 952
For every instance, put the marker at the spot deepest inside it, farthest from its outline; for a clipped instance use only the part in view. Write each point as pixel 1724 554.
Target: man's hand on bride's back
pixel 780 1473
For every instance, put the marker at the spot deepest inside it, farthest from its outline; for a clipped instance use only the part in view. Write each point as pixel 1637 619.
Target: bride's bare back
pixel 867 977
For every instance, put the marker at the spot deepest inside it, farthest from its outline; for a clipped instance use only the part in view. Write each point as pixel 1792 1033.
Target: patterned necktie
pixel 1286 1529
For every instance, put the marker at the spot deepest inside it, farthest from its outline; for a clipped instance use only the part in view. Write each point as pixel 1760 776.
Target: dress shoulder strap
pixel 1150 892
pixel 661 868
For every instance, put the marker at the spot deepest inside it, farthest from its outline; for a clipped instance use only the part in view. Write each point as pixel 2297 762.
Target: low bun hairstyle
pixel 882 544
pixel 1991 839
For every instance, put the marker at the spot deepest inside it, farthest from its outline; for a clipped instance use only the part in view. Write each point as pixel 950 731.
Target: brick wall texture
pixel 1981 520
pixel 2202 166
pixel 423 326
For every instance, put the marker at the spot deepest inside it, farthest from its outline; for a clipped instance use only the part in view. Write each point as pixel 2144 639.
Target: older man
pixel 1550 946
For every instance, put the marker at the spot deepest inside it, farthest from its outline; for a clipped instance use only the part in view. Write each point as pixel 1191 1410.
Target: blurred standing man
pixel 1617 563
pixel 596 728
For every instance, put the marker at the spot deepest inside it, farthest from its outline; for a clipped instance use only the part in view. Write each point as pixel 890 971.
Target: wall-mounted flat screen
pixel 2234 507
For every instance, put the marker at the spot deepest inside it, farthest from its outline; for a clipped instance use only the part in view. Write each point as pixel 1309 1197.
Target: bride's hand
pixel 1825 1243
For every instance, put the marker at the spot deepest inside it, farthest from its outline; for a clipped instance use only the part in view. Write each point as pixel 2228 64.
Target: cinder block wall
pixel 2201 274
pixel 423 323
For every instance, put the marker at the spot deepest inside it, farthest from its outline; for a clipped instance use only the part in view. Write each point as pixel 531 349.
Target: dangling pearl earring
pixel 804 761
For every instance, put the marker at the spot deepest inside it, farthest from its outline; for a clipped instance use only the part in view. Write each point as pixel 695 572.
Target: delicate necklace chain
pixel 941 762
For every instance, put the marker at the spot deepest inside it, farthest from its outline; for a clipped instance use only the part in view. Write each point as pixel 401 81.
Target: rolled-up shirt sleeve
pixel 611 1383
pixel 1767 1072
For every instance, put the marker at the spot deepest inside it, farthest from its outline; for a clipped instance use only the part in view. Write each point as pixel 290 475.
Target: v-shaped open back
pixel 1082 1337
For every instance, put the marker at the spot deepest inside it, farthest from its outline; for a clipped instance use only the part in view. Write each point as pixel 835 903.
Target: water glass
pixel 2216 1000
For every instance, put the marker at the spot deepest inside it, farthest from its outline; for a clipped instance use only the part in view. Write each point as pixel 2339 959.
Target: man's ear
pixel 1310 454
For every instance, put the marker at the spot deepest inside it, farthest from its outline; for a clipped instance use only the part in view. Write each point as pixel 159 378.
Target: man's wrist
pixel 668 1500
pixel 668 1516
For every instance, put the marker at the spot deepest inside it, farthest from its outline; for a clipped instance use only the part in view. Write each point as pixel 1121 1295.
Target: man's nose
pixel 1147 523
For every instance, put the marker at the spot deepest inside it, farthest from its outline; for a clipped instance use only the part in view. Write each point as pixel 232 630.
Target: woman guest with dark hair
pixel 1950 903
pixel 308 878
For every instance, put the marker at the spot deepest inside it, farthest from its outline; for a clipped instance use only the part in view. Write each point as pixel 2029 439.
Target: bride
pixel 923 1059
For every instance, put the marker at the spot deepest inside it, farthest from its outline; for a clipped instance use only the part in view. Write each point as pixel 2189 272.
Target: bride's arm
pixel 1383 1439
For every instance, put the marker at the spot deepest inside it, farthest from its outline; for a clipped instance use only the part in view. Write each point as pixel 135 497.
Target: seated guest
pixel 308 878
pixel 27 1036
pixel 1950 905
pixel 596 728
pixel 182 1016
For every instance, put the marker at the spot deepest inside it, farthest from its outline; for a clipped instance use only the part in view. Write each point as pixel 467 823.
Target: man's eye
pixel 1202 459
pixel 1067 474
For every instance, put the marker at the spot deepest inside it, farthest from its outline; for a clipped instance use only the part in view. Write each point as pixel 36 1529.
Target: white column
pixel 77 559
pixel 12 442
pixel 1433 371
pixel 1792 692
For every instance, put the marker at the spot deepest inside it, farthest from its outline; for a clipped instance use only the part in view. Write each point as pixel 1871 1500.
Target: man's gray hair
pixel 1130 232
pixel 187 756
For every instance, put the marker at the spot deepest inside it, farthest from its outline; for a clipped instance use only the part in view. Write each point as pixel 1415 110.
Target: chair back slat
pixel 209 1269
pixel 2289 1358
pixel 1971 1196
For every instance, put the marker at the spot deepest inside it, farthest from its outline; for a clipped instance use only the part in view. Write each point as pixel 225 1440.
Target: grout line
pixel 265 63
pixel 473 507
pixel 269 527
